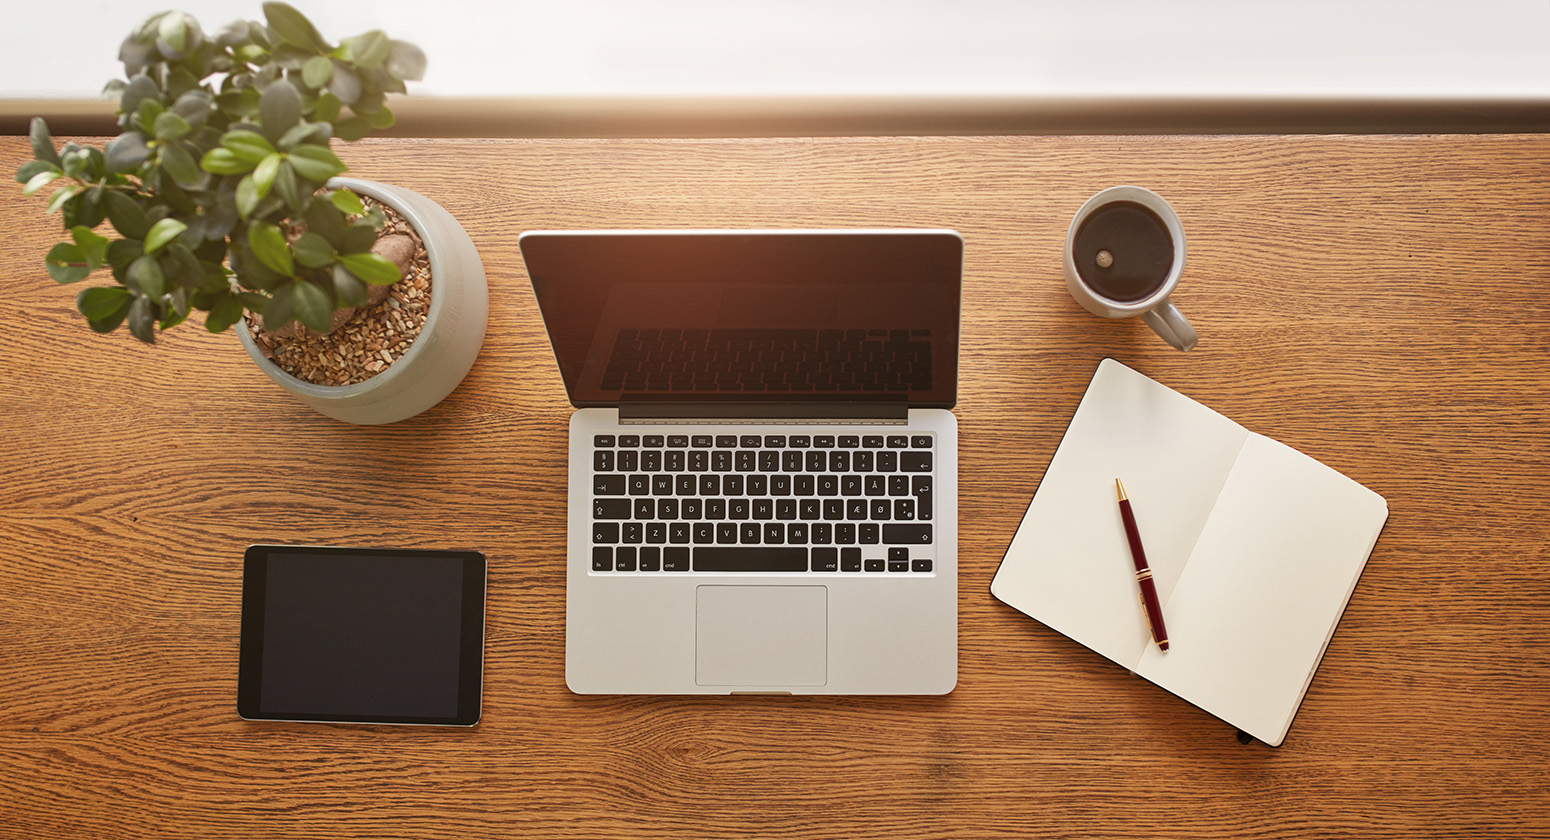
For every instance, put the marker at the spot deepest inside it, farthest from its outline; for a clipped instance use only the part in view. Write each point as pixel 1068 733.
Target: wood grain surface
pixel 1381 303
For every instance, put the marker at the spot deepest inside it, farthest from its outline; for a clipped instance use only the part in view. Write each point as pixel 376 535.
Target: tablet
pixel 355 635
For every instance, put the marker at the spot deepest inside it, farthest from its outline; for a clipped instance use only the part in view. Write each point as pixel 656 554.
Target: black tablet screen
pixel 361 635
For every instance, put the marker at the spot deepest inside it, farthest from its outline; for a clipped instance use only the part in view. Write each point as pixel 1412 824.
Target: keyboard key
pixel 605 532
pixel 629 460
pixel 678 532
pixel 848 441
pixel 881 509
pixel 866 533
pixel 920 441
pixel 608 485
pixel 775 441
pixel 904 509
pixel 750 559
pixel 726 441
pixel 800 441
pixel 874 564
pixel 624 560
pixel 675 559
pixel 726 533
pixel 850 559
pixel 887 461
pixel 915 461
pixel 704 532
pixel 920 564
pixel 823 441
pixel 603 440
pixel 899 485
pixel 872 441
pixel 774 533
pixel 633 533
pixel 826 559
pixel 898 441
pixel 610 508
pixel 678 441
pixel 907 534
pixel 749 533
pixel 650 559
pixel 603 460
pixel 640 485
pixel 629 440
pixel 750 441
pixel 602 558
pixel 702 441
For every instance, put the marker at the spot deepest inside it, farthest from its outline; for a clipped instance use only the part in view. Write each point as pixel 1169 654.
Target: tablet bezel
pixel 471 636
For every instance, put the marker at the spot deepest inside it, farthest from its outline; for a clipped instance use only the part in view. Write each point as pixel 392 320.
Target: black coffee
pixel 1123 251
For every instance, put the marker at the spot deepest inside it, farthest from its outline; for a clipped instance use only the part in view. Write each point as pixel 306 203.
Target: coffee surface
pixel 1123 251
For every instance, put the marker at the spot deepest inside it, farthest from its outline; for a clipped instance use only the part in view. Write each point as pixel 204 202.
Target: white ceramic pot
pixel 448 343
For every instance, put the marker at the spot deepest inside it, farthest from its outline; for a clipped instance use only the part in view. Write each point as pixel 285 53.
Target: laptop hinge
pixel 838 413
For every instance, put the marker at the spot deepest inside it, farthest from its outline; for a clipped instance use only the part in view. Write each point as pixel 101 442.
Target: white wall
pixel 1320 48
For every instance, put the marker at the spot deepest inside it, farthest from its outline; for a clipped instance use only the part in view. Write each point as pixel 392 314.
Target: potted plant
pixel 226 199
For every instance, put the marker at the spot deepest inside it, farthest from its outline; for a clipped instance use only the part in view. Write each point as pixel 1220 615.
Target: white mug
pixel 1154 307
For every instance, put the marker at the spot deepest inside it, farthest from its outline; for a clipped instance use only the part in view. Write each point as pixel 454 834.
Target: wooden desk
pixel 1380 303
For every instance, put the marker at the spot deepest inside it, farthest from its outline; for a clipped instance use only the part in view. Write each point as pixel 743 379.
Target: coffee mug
pixel 1124 254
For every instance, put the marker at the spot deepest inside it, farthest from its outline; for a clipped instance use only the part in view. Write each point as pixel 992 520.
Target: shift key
pixel 913 533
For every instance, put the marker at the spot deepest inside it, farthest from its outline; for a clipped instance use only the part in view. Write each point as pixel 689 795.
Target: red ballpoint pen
pixel 1149 600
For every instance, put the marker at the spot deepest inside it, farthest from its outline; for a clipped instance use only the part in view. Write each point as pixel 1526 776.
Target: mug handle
pixel 1169 323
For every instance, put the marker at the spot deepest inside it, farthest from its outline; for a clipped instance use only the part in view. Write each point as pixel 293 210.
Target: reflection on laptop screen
pixel 854 316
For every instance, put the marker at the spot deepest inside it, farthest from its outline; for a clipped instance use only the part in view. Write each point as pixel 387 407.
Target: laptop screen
pixel 738 316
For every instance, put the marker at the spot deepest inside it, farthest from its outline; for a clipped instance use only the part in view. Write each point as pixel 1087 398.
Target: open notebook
pixel 1254 546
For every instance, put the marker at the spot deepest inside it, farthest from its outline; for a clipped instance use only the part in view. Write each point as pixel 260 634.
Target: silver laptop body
pixel 763 466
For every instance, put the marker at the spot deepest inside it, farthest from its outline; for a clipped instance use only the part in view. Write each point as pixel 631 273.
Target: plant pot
pixel 448 343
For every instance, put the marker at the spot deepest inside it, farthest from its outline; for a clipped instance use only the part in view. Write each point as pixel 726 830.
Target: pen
pixel 1149 600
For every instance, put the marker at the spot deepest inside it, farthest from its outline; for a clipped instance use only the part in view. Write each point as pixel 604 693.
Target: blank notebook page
pixel 1266 584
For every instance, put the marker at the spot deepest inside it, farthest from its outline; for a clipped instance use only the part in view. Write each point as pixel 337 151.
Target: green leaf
pixel 39 181
pixel 126 152
pixel 103 302
pixel 62 195
pixel 146 114
pixel 352 129
pixel 348 202
pixel 316 163
pixel 306 132
pixel 161 233
pixel 294 27
pixel 178 35
pixel 247 196
pixel 268 245
pixel 317 71
pixel 406 61
pixel 312 305
pixel 194 106
pixel 223 314
pixel 313 251
pixel 146 275
pixel 279 108
pixel 357 239
pixel 32 168
pixel 170 126
pixel 223 161
pixel 327 109
pixel 127 216
pixel 248 145
pixel 345 85
pixel 263 175
pixel 178 163
pixel 374 269
pixel 348 288
pixel 67 263
pixel 380 118
pixel 140 89
pixel 93 246
pixel 142 319
pixel 278 312
pixel 285 187
pixel 42 142
pixel 367 50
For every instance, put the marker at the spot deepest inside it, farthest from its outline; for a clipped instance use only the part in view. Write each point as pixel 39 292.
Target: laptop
pixel 763 460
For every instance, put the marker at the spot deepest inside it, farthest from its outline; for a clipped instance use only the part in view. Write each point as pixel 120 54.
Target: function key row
pixel 765 441
pixel 765 460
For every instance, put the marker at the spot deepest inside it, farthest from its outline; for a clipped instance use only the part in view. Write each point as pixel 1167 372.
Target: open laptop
pixel 763 466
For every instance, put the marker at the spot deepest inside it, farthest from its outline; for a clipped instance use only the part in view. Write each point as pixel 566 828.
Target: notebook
pixel 1255 549
pixel 763 462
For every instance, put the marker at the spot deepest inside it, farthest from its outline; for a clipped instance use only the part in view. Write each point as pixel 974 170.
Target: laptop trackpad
pixel 761 635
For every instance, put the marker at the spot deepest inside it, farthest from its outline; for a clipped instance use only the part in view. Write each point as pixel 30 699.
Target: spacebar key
pixel 750 558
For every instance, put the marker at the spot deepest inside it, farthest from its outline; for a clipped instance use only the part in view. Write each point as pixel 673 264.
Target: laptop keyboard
pixel 726 503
